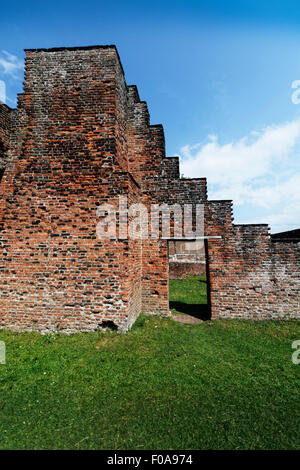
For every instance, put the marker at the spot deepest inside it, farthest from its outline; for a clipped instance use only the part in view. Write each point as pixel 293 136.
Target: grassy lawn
pixel 188 296
pixel 164 385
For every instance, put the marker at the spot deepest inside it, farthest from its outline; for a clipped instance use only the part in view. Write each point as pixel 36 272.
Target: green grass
pixel 164 385
pixel 188 296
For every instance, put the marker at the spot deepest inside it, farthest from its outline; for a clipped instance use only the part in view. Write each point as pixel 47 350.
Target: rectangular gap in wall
pixel 188 284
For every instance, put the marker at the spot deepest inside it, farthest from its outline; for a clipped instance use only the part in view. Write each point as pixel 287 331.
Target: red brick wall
pixel 5 126
pixel 250 276
pixel 55 273
pixel 81 137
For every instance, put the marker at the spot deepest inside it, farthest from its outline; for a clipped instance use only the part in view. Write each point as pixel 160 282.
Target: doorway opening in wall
pixel 189 293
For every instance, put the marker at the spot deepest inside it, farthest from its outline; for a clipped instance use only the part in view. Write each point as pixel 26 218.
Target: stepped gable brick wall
pixel 55 273
pixel 160 183
pixel 146 143
pixel 81 137
pixel 250 276
pixel 285 280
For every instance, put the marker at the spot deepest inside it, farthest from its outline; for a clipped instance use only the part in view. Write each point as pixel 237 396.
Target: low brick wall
pixel 181 270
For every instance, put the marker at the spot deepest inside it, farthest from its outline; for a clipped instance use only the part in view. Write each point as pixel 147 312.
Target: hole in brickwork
pixel 108 325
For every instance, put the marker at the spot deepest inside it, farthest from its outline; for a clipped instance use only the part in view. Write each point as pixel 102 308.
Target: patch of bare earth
pixel 186 319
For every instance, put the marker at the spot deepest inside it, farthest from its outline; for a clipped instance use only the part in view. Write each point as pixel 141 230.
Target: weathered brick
pixel 81 137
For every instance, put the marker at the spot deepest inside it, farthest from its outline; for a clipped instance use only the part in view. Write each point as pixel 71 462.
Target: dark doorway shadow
pixel 200 311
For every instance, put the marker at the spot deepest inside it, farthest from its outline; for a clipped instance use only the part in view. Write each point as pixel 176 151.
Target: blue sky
pixel 217 75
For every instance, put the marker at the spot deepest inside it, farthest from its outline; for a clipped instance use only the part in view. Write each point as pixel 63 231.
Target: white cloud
pixel 285 219
pixel 261 170
pixel 11 64
pixel 2 91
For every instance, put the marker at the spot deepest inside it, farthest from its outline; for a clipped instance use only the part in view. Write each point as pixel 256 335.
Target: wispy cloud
pixel 2 92
pixel 10 64
pixel 260 170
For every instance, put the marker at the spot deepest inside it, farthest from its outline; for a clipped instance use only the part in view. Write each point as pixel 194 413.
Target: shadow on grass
pixel 201 311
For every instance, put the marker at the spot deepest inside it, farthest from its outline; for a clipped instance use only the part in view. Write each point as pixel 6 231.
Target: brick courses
pixel 80 137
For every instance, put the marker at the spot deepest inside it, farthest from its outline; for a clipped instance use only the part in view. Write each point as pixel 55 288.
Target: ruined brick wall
pixel 146 153
pixel 250 276
pixel 285 279
pixel 146 143
pixel 81 137
pixel 55 273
